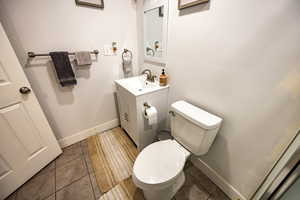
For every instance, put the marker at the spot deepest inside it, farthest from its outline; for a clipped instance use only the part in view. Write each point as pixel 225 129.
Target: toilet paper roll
pixel 151 115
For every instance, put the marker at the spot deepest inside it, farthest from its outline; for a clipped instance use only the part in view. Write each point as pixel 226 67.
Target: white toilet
pixel 158 169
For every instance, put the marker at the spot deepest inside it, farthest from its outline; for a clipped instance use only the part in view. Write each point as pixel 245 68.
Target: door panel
pixel 18 124
pixel 6 86
pixel 4 168
pixel 27 143
pixel 3 76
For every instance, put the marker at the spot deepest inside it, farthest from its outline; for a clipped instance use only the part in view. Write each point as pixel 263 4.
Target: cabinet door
pixel 126 115
pixel 123 108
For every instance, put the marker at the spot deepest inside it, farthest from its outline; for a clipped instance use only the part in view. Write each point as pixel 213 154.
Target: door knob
pixel 24 90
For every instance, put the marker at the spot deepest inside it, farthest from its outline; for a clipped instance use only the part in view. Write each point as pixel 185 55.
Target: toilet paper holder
pixel 172 113
pixel 146 105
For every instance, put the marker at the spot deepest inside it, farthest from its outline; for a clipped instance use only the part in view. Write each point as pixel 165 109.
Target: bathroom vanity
pixel 132 94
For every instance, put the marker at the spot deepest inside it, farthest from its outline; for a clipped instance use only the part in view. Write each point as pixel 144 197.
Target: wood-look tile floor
pixel 71 177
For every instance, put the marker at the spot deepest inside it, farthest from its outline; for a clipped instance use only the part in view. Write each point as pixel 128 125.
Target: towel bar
pixel 32 54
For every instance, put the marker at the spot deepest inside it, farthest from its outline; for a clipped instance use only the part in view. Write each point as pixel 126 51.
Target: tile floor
pixel 71 177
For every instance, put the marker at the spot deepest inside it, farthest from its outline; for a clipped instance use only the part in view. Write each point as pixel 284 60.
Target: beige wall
pixel 49 25
pixel 239 60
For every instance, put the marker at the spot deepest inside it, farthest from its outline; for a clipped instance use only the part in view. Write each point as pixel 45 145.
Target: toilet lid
pixel 160 162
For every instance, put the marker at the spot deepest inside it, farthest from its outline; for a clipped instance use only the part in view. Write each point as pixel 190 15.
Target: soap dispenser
pixel 163 78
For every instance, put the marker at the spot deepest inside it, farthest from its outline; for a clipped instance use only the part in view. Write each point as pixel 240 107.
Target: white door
pixel 27 143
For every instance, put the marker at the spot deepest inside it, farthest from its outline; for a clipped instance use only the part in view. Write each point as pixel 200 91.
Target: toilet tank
pixel 193 127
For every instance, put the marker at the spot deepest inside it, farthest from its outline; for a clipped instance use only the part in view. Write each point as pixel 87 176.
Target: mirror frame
pixel 150 5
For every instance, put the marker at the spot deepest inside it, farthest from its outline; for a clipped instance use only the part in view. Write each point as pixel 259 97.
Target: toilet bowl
pixel 158 169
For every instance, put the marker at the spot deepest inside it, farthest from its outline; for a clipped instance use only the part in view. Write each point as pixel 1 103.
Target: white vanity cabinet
pixel 131 96
pixel 127 112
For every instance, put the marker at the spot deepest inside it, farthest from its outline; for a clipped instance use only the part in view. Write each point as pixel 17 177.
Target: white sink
pixel 138 85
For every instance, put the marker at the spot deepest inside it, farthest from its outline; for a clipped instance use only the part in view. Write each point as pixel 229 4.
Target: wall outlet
pixel 108 50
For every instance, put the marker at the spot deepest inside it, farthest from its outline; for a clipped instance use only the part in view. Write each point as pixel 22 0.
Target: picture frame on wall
pixel 189 3
pixel 91 3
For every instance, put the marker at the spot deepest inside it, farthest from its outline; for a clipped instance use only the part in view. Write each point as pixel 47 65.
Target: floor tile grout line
pixel 54 170
pixel 37 175
pixel 80 144
pixel 48 196
pixel 92 186
pixel 55 180
pixel 202 187
pixel 82 157
pixel 85 159
pixel 71 160
pixel 71 183
pixel 88 171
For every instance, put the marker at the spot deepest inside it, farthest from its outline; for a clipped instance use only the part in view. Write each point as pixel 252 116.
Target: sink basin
pixel 138 85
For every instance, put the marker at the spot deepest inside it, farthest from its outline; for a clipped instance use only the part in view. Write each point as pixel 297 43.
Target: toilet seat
pixel 159 163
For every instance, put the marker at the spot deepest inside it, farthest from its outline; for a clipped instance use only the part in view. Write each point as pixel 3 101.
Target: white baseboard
pixel 226 187
pixel 67 141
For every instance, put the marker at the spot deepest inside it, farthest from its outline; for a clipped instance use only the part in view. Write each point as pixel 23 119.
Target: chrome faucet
pixel 150 77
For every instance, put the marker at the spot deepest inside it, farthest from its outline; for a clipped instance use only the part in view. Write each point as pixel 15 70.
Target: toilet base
pixel 168 192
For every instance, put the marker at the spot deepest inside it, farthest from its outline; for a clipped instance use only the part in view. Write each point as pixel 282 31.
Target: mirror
pixel 155 25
